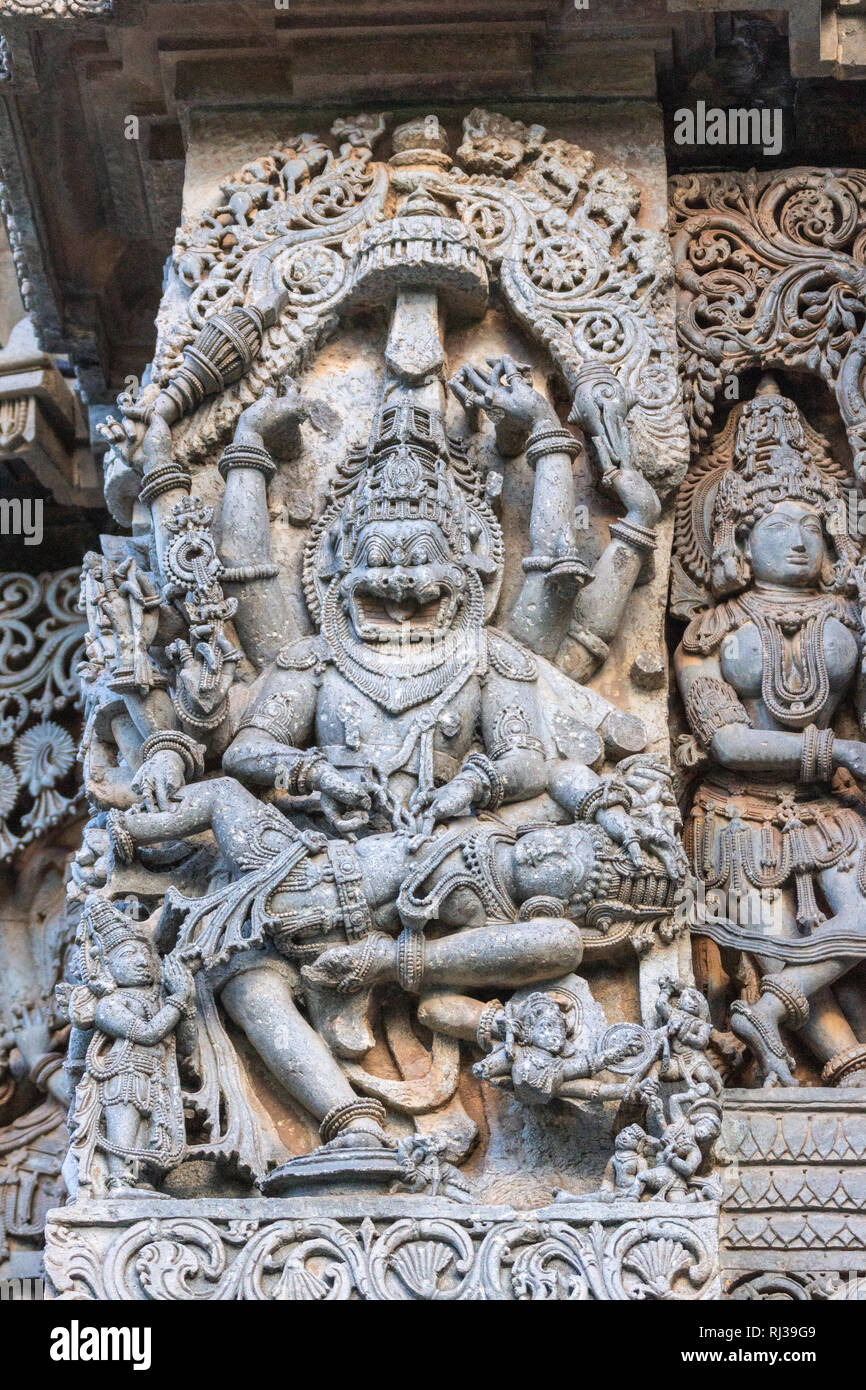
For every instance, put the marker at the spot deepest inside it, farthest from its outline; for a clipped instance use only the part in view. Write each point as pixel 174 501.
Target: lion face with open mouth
pixel 404 585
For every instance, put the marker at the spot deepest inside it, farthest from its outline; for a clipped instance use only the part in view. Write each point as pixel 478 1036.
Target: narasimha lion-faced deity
pixel 362 826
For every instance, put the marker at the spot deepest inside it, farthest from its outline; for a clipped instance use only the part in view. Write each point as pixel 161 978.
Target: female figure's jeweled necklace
pixel 794 680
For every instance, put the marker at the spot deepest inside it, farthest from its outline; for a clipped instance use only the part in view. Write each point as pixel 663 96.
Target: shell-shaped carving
pixel 8 790
pixel 43 755
pixel 299 1282
pixel 420 1265
pixel 657 1263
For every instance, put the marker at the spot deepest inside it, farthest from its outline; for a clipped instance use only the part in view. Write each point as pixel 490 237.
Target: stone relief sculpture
pixel 767 569
pixel 769 270
pixel 763 672
pixel 128 1105
pixel 41 644
pixel 41 637
pixel 349 785
pixel 34 1095
pixel 767 575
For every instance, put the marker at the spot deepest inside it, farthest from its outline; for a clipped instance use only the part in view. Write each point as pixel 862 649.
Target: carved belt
pixel 357 918
pixel 763 839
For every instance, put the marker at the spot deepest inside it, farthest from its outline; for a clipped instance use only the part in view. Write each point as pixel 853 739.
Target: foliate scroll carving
pixel 561 240
pixel 783 1287
pixel 269 262
pixel 289 1254
pixel 771 271
pixel 41 644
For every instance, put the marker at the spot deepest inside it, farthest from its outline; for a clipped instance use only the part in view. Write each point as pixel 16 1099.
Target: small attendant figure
pixel 127 1121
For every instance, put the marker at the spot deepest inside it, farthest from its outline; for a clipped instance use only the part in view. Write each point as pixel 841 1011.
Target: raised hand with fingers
pixel 506 394
pixel 273 422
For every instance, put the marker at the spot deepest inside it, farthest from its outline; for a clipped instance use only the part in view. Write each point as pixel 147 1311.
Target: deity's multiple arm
pixel 261 754
pixel 127 599
pixel 268 428
pixel 547 617
pixel 600 607
pixel 271 748
pixel 526 422
pixel 601 406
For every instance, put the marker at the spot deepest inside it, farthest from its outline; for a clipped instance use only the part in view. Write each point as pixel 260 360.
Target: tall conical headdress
pixel 105 923
pixel 766 453
pixel 408 475
pixel 772 462
pixel 409 470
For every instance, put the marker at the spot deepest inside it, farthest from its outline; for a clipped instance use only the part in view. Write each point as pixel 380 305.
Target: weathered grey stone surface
pixel 388 1249
pixel 385 971
pixel 794 1177
pixel 361 811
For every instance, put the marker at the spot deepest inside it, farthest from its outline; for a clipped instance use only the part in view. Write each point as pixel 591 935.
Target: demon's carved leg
pixel 491 957
pixel 221 804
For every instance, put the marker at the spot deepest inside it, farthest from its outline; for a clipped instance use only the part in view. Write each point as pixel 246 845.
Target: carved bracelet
pixel 486 1021
pixel 121 840
pixel 247 456
pixel 410 960
pixel 816 760
pixel 596 646
pixel 824 759
pixel 493 787
pixel 339 1116
pixel 296 779
pixel 641 538
pixel 176 741
pixel 164 479
pixel 792 997
pixel 549 439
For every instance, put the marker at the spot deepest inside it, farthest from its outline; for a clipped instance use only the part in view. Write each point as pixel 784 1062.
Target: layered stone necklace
pixel 794 680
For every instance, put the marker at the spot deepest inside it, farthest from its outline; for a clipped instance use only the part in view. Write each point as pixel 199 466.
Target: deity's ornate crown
pixel 408 471
pixel 771 461
pixel 765 453
pixel 105 923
